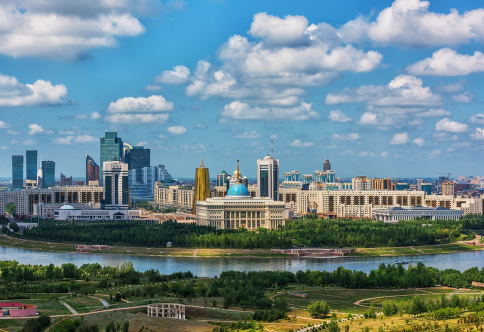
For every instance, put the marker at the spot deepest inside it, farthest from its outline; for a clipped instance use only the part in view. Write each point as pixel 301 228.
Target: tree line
pixel 297 233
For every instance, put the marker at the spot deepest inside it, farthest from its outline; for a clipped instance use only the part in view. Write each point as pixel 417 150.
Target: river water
pixel 213 266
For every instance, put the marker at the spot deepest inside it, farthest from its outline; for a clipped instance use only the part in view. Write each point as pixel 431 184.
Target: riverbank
pixel 12 242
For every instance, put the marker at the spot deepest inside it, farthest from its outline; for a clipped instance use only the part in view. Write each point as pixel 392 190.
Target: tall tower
pixel 48 174
pixel 326 165
pixel 31 156
pixel 92 169
pixel 139 157
pixel 17 172
pixel 111 149
pixel 268 178
pixel 202 186
pixel 115 184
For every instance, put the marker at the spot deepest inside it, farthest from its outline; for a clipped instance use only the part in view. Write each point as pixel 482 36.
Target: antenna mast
pixel 272 148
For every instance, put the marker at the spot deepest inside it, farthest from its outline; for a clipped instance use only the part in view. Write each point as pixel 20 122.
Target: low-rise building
pixel 176 196
pixel 396 214
pixel 69 213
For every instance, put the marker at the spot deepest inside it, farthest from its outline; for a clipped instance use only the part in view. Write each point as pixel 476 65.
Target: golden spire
pixel 201 165
pixel 238 173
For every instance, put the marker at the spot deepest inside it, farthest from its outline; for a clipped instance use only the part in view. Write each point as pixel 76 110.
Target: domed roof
pixel 223 172
pixel 67 207
pixel 238 190
pixel 267 157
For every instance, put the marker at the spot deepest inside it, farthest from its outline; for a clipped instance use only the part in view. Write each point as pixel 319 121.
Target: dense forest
pixel 300 232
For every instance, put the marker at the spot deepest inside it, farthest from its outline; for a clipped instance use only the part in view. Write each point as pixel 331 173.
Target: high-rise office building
pixel 111 149
pixel 31 162
pixel 17 172
pixel 139 157
pixel 381 184
pixel 326 165
pixel 202 185
pixel 268 177
pixel 427 187
pixel 48 174
pixel 222 179
pixel 39 178
pixel 115 184
pixel 92 170
pixel 419 184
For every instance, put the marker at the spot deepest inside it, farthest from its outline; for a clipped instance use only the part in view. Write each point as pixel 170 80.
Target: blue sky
pixel 383 88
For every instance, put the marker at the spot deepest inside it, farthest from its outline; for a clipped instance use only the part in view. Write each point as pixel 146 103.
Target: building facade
pixel 31 164
pixel 115 184
pixel 48 174
pixel 202 185
pixel 69 213
pixel 92 170
pixel 268 178
pixel 111 150
pixel 396 214
pixel 175 196
pixel 139 157
pixel 448 188
pixel 17 172
pixel 145 187
pixel 326 165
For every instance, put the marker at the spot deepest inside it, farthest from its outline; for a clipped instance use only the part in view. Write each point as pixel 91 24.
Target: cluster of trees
pixel 37 324
pixel 437 308
pixel 318 309
pixel 473 221
pixel 299 232
pixel 238 326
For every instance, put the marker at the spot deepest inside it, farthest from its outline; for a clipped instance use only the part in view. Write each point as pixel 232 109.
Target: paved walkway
pixel 71 309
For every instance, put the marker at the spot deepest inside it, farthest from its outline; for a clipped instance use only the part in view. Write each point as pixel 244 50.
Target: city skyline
pixel 380 100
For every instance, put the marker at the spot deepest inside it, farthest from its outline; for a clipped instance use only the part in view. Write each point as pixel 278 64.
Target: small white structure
pixel 167 310
pixel 395 214
pixel 68 212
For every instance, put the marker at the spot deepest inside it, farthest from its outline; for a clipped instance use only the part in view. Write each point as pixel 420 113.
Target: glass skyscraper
pixel 139 157
pixel 268 177
pixel 111 149
pixel 92 169
pixel 17 172
pixel 31 164
pixel 48 174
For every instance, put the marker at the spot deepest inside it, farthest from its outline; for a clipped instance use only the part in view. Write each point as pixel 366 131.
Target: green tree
pixel 10 209
pixel 318 309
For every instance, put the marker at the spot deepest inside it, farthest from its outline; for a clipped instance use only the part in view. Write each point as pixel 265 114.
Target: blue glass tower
pixel 48 174
pixel 17 172
pixel 31 164
pixel 111 150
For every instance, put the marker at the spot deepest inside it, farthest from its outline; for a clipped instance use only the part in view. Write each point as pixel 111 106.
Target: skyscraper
pixel 139 157
pixel 111 149
pixel 48 174
pixel 115 184
pixel 202 186
pixel 268 177
pixel 326 165
pixel 31 164
pixel 17 172
pixel 92 170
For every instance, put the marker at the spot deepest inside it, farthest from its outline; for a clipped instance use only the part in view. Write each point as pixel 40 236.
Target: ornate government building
pixel 239 209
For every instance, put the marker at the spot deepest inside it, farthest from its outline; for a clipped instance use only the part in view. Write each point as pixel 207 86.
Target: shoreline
pixel 42 246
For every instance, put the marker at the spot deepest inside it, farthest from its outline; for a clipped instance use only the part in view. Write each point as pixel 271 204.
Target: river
pixel 213 266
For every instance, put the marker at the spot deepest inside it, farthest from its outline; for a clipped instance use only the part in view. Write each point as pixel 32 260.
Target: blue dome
pixel 238 190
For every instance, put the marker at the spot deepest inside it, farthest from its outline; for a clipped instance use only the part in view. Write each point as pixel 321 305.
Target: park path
pixel 196 252
pixel 71 309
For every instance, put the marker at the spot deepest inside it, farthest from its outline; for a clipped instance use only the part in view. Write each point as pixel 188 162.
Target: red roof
pixel 10 304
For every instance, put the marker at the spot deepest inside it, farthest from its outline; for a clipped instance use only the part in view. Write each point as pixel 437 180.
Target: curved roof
pixel 67 207
pixel 238 190
pixel 267 157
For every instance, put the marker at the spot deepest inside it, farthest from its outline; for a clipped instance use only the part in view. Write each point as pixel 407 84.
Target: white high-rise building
pixel 115 184
pixel 268 178
pixel 39 178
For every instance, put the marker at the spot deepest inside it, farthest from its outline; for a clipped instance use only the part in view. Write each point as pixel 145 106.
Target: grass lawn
pixel 416 250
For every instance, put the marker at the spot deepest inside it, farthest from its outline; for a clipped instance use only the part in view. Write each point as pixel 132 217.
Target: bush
pixel 318 308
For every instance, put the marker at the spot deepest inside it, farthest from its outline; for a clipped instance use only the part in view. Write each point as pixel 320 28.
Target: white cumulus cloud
pixel 35 129
pixel 451 126
pixel 150 104
pixel 246 134
pixel 137 118
pixel 4 125
pixel 242 111
pixel 177 130
pixel 351 137
pixel 478 118
pixel 40 93
pixel 399 139
pixel 95 116
pixel 418 141
pixel 478 135
pixel 64 30
pixel 178 75
pixel 299 144
pixel 447 62
pixel 338 116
